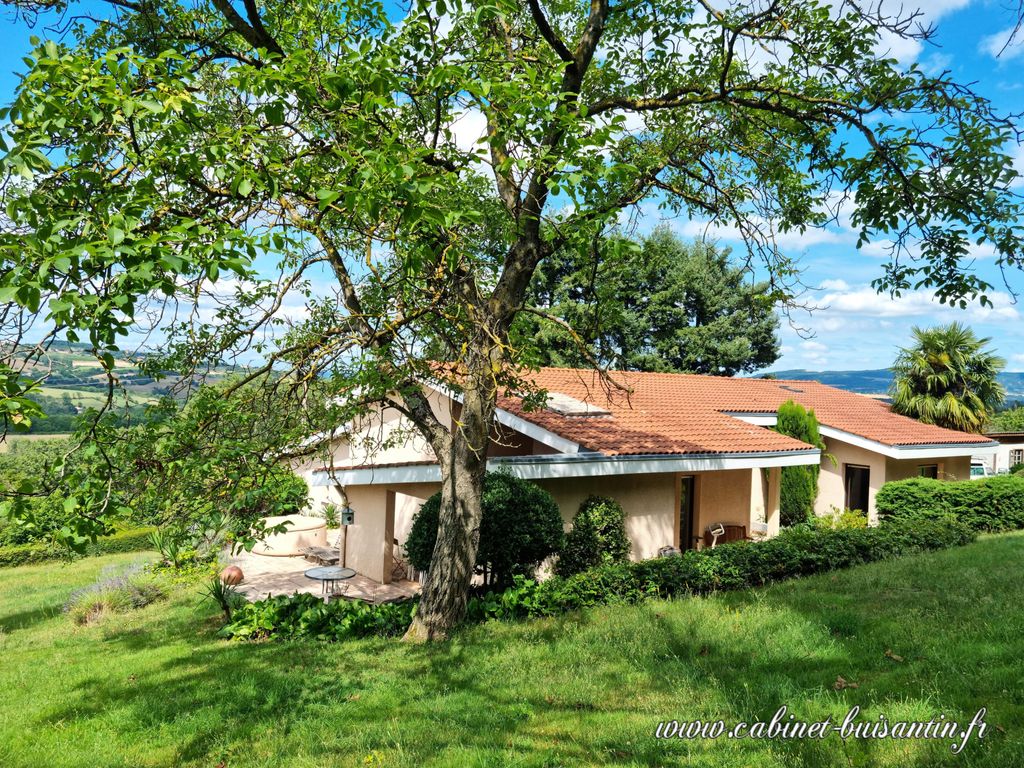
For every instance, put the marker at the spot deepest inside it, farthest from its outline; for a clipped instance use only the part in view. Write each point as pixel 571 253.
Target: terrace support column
pixel 387 555
pixel 773 500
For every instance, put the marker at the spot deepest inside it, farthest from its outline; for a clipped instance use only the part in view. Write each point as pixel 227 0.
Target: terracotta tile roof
pixel 671 413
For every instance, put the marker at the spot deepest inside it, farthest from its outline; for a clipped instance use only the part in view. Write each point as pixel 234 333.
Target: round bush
pixel 598 536
pixel 521 526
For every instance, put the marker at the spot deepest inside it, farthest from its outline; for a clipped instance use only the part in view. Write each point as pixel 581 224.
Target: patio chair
pixel 723 533
pixel 399 567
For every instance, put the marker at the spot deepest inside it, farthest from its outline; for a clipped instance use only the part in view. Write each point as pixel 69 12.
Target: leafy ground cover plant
pixel 304 615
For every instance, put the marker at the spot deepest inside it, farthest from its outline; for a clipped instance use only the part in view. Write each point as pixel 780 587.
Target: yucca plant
pixel 948 377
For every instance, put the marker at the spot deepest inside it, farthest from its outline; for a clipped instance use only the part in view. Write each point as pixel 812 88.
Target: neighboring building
pixel 1008 453
pixel 678 452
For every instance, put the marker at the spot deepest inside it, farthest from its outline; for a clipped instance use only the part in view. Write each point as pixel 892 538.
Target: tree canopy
pixel 197 169
pixel 948 377
pixel 671 306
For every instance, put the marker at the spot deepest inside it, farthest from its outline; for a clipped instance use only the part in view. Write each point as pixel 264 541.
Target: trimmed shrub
pixel 129 540
pixel 598 536
pixel 132 540
pixel 116 591
pixel 521 527
pixel 308 616
pixel 794 552
pixel 27 554
pixel 992 504
pixel 798 487
pixel 1017 469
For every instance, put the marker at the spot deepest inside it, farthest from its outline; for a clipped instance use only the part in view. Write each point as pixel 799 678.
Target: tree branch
pixel 252 31
pixel 549 34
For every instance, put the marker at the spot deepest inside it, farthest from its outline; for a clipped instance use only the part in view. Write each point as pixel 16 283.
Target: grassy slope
pixel 156 688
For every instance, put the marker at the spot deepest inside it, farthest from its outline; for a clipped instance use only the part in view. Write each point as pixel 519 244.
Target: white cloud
pixel 1001 46
pixel 1017 360
pixel 1017 152
pixel 867 302
pixel 468 128
pixel 904 50
pixel 814 352
pixel 785 240
pixel 834 285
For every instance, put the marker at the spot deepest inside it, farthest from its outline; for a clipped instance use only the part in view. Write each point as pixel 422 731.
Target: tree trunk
pixel 443 600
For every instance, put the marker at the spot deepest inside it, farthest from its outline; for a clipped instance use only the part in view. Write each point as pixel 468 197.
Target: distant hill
pixel 874 382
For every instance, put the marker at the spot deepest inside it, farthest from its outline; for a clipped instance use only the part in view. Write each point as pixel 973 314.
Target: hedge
pixel 992 504
pixel 131 540
pixel 795 552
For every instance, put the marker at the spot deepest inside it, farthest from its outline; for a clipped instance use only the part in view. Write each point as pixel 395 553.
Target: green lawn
pixel 156 688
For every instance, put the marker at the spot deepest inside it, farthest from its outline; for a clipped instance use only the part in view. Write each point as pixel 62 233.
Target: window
pixel 857 483
pixel 929 470
pixel 1016 456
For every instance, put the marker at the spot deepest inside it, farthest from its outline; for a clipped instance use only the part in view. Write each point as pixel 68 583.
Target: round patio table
pixel 329 575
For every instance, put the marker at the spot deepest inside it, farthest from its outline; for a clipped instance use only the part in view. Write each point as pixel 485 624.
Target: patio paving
pixel 265 576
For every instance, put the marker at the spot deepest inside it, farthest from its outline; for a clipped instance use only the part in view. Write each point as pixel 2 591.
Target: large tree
pixel 656 305
pixel 197 166
pixel 949 377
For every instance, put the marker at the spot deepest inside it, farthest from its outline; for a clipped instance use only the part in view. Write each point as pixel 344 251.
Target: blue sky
pixel 854 328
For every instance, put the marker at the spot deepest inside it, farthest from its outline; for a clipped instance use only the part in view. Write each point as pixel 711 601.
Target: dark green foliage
pixel 521 527
pixel 1010 420
pixel 1017 469
pixel 308 616
pixel 678 307
pixel 799 485
pixel 992 504
pixel 794 552
pixel 598 536
pixel 20 466
pixel 134 540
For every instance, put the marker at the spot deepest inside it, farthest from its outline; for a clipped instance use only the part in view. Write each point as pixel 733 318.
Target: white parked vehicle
pixel 980 470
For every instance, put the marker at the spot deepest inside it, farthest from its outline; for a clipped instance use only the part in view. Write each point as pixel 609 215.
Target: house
pixel 1009 453
pixel 679 453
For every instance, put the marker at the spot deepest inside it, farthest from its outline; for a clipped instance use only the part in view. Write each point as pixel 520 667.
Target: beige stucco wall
pixel 369 541
pixel 724 497
pixel 831 490
pixel 958 468
pixel 764 501
pixel 649 502
pixel 950 468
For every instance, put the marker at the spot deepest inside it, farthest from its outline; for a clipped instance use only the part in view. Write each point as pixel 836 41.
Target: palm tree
pixel 948 377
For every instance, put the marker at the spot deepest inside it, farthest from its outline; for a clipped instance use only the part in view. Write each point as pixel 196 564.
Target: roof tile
pixel 671 413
